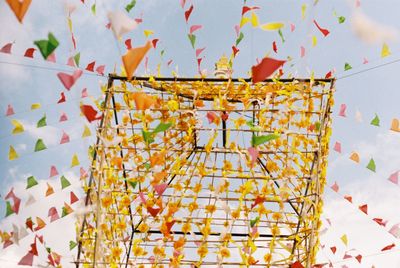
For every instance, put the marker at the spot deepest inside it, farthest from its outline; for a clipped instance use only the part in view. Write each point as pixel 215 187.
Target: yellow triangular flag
pixel 12 154
pixel 75 161
pixel 35 106
pixel 272 26
pixel 344 239
pixel 385 51
pixel 254 19
pixel 303 11
pixel 243 21
pixel 18 127
pixel 86 132
pixel 314 41
pixel 147 33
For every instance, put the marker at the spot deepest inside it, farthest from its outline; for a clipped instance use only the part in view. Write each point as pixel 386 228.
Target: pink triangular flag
pixel 160 188
pixel 237 29
pixel 71 62
pixel 83 173
pixel 6 48
pixel 142 198
pixel 292 27
pixel 53 214
pixel 63 117
pixel 335 187
pixel 10 110
pixel 52 57
pixel 394 177
pixel 342 111
pixel 302 51
pixel 84 93
pixel 337 147
pixel 100 69
pixel 194 28
pixel 53 171
pixel 69 80
pixel 27 260
pixel 64 138
pixel 395 230
pixel 253 152
pixel 199 51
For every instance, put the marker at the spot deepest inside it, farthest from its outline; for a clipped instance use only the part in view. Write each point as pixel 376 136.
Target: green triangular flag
pixel 253 222
pixel 40 145
pixel 94 9
pixel 9 209
pixel 77 58
pixel 42 122
pixel 131 5
pixel 64 212
pixel 375 121
pixel 192 39
pixel 257 140
pixel 162 127
pixel 341 19
pixel 347 66
pixel 72 245
pixel 281 35
pixel 46 47
pixel 371 165
pixel 241 35
pixel 64 182
pixel 31 181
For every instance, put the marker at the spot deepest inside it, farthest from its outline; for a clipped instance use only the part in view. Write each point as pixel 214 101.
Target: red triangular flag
pixel 29 52
pixel 389 247
pixel 62 99
pixel 90 66
pixel 128 44
pixel 364 208
pixel 188 12
pixel 73 197
pixel 90 113
pixel 153 211
pixel 265 69
pixel 325 32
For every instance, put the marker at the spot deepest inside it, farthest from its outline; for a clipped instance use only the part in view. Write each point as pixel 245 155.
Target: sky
pixel 371 92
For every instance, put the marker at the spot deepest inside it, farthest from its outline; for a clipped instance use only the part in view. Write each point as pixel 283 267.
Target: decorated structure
pixel 207 172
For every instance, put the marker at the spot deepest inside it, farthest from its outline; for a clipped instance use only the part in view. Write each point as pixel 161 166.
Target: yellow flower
pixel 225 253
pixel 106 201
pixel 202 251
pixel 116 253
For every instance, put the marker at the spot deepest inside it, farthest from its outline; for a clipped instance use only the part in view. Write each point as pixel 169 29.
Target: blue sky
pixel 372 92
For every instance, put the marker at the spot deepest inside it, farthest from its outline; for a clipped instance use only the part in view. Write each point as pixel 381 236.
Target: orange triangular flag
pixel 19 7
pixel 142 100
pixel 50 190
pixel 40 224
pixel 395 125
pixel 133 57
pixel 355 157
